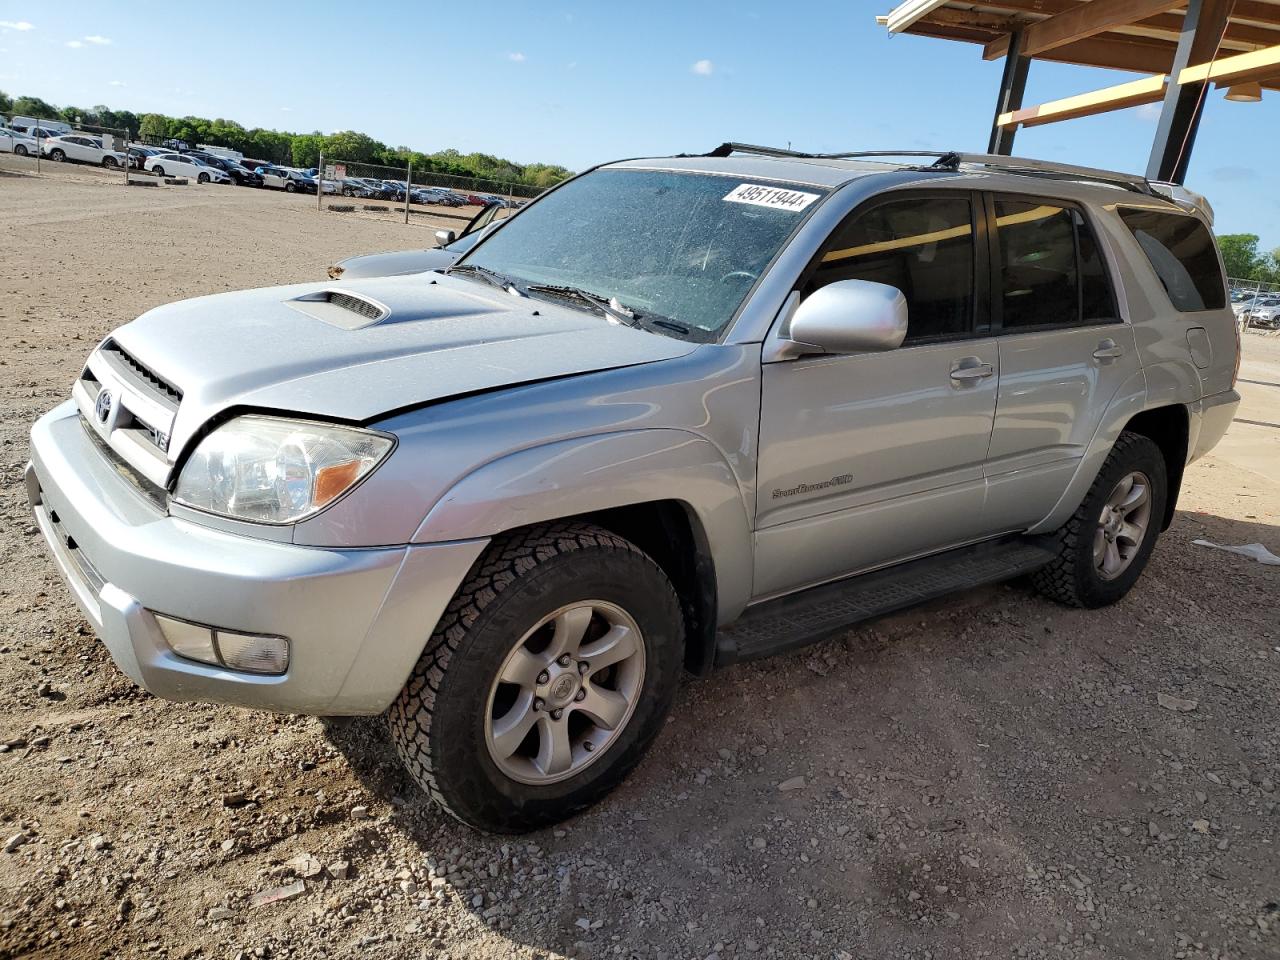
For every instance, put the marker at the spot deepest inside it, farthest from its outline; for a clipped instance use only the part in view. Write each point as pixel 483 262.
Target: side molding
pixel 588 474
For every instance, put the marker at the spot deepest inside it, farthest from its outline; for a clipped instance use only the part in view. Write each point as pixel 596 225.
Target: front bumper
pixel 356 619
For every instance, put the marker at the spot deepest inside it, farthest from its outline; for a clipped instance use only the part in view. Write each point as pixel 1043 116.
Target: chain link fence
pixel 1254 302
pixel 29 144
pixel 368 186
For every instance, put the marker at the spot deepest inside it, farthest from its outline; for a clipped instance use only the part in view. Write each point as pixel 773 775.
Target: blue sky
pixel 579 83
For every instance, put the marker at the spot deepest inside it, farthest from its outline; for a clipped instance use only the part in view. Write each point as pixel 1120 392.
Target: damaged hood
pixel 355 351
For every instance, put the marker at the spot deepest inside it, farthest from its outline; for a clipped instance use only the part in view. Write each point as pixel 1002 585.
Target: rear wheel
pixel 1105 546
pixel 57 155
pixel 547 678
pixel 20 150
pixel 158 170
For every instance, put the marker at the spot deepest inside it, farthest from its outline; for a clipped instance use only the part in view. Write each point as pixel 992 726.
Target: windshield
pixel 668 245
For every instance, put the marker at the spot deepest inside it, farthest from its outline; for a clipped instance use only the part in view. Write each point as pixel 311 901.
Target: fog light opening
pixel 252 653
pixel 189 640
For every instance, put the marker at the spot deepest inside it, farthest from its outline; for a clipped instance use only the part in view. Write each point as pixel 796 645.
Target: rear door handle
pixel 970 369
pixel 1108 350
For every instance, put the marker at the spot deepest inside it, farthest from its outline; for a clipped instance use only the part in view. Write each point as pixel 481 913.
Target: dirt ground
pixel 990 776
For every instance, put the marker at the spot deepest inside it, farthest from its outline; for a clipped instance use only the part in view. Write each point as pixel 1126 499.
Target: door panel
pixel 870 458
pixel 1053 393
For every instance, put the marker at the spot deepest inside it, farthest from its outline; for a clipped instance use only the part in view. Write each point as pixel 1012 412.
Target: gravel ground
pixel 989 776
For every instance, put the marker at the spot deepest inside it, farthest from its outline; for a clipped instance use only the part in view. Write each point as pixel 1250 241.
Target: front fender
pixel 588 474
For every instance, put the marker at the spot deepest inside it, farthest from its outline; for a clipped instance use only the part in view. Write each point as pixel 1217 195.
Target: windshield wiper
pixel 610 307
pixel 491 277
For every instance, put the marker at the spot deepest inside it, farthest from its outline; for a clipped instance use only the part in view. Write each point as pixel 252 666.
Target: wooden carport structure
pixel 1185 46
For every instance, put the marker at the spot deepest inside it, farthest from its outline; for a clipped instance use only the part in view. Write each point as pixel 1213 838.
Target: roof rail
pixel 952 160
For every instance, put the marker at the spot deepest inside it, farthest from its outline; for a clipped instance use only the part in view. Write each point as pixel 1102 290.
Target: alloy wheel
pixel 565 692
pixel 1123 525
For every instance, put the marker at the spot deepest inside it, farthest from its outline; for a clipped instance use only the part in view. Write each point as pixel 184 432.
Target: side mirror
pixel 445 237
pixel 848 316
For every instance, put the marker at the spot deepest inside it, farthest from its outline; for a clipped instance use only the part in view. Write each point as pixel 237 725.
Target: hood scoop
pixel 340 308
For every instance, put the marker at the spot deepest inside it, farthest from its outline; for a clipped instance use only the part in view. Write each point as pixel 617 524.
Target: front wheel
pixel 202 178
pixel 109 161
pixel 289 188
pixel 1105 546
pixel 545 681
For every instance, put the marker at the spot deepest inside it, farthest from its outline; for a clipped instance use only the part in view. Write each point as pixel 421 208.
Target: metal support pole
pixel 1013 83
pixel 320 182
pixel 1202 29
pixel 408 185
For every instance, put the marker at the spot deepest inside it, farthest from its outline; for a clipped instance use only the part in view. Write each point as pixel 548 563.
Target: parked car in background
pixel 138 155
pixel 18 143
pixel 1262 313
pixel 401 262
pixel 274 177
pixel 80 148
pixel 37 127
pixel 184 165
pixel 394 188
pixel 232 168
pixel 367 188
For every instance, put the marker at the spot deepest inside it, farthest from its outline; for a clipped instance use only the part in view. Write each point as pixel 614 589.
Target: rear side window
pixel 1182 253
pixel 1051 271
pixel 924 247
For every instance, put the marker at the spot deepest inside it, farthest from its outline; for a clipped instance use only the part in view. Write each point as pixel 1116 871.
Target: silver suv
pixel 675 414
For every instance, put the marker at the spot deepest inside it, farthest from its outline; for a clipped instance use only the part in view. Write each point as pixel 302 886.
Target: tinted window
pixel 924 247
pixel 1182 254
pixel 1051 270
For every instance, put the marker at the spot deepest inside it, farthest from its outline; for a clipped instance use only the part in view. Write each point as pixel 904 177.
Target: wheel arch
pixel 1169 428
pixel 669 492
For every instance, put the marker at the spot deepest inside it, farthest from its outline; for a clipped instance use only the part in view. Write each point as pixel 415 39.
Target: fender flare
pixel 588 474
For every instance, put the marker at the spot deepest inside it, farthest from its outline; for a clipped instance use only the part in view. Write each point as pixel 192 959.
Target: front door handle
pixel 1108 349
pixel 970 370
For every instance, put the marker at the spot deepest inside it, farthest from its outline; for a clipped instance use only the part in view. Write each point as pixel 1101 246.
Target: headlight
pixel 272 470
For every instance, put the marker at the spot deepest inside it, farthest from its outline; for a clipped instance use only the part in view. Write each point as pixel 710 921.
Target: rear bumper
pixel 356 619
pixel 1214 415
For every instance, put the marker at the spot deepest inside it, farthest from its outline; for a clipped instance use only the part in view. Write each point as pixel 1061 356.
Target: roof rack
pixel 950 160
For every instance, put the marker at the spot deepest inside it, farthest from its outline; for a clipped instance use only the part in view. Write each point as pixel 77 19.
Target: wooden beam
pixel 1259 65
pixel 1118 97
pixel 908 12
pixel 1137 55
pixel 1089 20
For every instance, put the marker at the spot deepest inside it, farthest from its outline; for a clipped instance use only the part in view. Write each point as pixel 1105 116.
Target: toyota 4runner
pixel 674 414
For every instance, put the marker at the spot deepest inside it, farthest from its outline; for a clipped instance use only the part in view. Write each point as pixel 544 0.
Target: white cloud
pixel 21 25
pixel 286 109
pixel 117 83
pixel 98 41
pixel 516 57
pixel 75 44
pixel 703 68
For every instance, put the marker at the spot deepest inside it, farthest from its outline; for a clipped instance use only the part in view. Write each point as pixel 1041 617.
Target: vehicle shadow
pixel 882 792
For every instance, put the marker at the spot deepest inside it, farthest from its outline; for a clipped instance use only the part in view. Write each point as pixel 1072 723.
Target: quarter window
pixel 1051 271
pixel 924 247
pixel 1182 253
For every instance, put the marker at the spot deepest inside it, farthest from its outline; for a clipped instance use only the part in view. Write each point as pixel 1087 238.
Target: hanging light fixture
pixel 1245 92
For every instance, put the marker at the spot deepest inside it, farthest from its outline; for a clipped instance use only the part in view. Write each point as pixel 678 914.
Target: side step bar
pixel 797 620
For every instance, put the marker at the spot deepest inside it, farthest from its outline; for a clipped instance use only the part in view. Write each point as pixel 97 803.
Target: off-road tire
pixel 1071 578
pixel 437 723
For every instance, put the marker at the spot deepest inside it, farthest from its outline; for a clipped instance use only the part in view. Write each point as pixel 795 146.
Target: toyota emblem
pixel 102 408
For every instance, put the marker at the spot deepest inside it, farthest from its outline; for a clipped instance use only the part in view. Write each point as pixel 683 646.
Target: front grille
pixel 153 492
pixel 366 308
pixel 140 375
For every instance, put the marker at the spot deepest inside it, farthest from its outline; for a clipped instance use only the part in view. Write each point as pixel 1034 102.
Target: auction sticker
pixel 775 197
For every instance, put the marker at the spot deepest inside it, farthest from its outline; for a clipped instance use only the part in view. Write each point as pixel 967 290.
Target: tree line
pixel 289 149
pixel 1244 261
